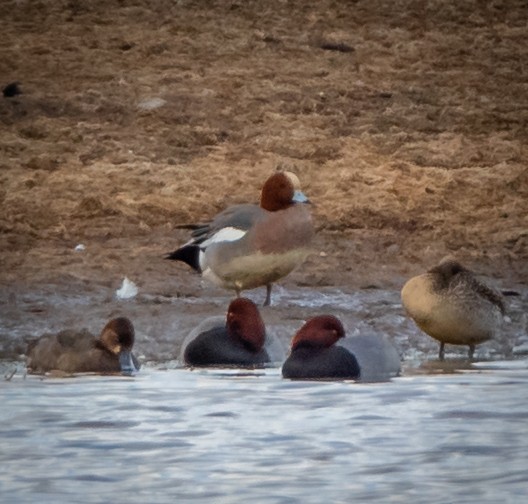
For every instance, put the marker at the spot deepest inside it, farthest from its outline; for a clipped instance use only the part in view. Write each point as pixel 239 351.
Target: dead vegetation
pixel 406 121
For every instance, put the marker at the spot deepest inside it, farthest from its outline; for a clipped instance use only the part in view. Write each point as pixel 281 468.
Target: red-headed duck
pixel 452 306
pixel 81 352
pixel 239 342
pixel 320 350
pixel 248 246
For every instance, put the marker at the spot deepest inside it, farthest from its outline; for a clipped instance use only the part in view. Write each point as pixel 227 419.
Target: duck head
pixel 244 324
pixel 319 332
pixel 117 337
pixel 281 191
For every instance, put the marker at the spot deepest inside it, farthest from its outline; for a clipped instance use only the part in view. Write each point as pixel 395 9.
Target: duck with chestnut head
pixel 238 342
pixel 248 246
pixel 321 350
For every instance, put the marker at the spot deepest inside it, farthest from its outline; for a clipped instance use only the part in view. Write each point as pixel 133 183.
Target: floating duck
pixel 238 342
pixel 81 352
pixel 321 350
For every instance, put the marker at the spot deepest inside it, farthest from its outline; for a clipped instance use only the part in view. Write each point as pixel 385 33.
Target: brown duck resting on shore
pixel 452 306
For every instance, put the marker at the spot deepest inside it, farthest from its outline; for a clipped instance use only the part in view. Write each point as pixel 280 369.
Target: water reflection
pixel 195 435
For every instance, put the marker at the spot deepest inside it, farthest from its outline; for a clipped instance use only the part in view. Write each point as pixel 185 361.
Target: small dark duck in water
pixel 81 352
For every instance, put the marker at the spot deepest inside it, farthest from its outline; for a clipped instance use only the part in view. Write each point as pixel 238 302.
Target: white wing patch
pixel 227 234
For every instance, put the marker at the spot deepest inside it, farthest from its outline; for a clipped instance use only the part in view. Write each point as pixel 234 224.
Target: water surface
pixel 222 436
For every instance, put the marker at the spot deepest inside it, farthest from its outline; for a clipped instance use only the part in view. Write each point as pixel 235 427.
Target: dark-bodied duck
pixel 321 350
pixel 239 342
pixel 81 352
pixel 248 246
pixel 452 306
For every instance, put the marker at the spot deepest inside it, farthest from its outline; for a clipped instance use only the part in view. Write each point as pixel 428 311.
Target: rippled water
pixel 183 436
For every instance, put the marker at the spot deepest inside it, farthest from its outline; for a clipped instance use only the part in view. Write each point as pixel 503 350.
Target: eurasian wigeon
pixel 248 246
pixel 238 342
pixel 320 350
pixel 452 306
pixel 81 352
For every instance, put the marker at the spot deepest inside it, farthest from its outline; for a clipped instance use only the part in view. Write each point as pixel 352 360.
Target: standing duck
pixel 452 306
pixel 80 352
pixel 320 350
pixel 248 246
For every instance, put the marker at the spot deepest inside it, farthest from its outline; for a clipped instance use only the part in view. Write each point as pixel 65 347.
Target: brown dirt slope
pixel 405 120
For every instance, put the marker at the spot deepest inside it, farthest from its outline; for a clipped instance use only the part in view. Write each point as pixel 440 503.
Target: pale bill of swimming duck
pixel 239 340
pixel 321 350
pixel 81 352
pixel 452 306
pixel 248 246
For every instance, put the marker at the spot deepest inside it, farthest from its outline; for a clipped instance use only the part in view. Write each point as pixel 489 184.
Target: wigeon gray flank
pixel 452 306
pixel 80 352
pixel 248 246
pixel 321 350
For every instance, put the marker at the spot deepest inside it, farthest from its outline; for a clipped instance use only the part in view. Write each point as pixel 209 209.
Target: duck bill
pixel 126 361
pixel 300 197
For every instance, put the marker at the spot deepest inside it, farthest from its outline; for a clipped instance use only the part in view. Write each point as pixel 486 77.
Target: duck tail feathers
pixel 189 254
